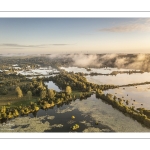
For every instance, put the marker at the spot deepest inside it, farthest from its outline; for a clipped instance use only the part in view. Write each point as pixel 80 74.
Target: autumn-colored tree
pixel 41 86
pixel 19 92
pixel 51 93
pixel 43 94
pixel 68 90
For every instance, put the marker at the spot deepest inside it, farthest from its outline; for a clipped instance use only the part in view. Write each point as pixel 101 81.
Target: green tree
pixel 29 94
pixel 89 89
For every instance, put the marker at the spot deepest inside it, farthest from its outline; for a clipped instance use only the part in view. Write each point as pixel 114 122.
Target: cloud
pixel 128 61
pixel 10 45
pixel 138 25
pixel 20 46
pixel 60 44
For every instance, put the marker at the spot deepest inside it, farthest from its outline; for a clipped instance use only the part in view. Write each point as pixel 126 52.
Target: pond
pixel 52 85
pixel 87 112
pixel 119 79
pixel 138 96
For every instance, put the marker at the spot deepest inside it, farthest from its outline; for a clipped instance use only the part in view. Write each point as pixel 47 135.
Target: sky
pixel 74 35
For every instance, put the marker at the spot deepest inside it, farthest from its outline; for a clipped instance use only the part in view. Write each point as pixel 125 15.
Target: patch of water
pixel 93 70
pixel 106 114
pixel 87 112
pixel 138 96
pixel 119 79
pixel 52 85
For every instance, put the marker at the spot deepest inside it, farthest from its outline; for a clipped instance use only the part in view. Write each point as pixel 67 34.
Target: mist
pixel 128 61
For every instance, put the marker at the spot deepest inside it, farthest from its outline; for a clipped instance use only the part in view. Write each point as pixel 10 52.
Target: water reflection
pixel 52 85
pixel 138 96
pixel 91 114
pixel 106 114
pixel 63 117
pixel 107 70
pixel 119 79
pixel 87 113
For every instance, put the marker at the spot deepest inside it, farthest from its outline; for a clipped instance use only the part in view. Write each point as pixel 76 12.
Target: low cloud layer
pixel 20 46
pixel 128 61
pixel 10 45
pixel 60 44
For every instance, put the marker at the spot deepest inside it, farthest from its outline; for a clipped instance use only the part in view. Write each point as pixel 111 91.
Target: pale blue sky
pixel 70 35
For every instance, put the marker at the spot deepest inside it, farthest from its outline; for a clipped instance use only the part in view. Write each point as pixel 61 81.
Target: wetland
pixel 55 97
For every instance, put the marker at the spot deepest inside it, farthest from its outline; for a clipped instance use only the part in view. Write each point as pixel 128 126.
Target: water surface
pixel 119 79
pixel 93 70
pixel 52 85
pixel 138 96
pixel 87 113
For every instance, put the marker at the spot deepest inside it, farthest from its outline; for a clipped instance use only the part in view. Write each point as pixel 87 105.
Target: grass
pixel 77 93
pixel 18 101
pixel 24 102
pixel 11 98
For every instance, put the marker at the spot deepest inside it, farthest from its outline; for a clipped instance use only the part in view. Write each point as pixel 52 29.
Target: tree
pixel 120 101
pixel 29 94
pixel 63 95
pixel 51 93
pixel 89 89
pixel 115 98
pixel 43 94
pixel 68 90
pixel 19 92
pixel 41 86
pixel 127 102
